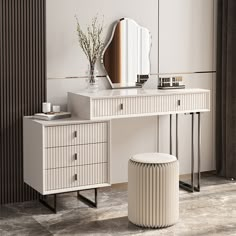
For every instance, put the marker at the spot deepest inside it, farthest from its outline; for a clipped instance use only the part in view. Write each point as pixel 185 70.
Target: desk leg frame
pixel 86 200
pixel 53 207
pixel 190 187
pixel 43 200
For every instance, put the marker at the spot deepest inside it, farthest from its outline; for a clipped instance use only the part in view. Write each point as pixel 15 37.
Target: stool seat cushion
pixel 153 158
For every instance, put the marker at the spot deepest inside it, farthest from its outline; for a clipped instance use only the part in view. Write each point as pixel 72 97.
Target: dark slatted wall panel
pixel 22 87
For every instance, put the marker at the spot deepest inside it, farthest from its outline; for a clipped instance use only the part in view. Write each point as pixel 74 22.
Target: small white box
pixel 56 108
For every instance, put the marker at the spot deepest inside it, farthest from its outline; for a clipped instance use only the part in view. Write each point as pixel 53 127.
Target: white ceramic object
pixel 56 108
pixel 46 107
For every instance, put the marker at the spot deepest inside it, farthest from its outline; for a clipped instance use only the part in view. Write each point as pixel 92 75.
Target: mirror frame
pixel 108 44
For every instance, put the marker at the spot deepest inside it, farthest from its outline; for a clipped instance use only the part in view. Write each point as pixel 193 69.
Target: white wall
pixel 186 29
pixel 64 56
pixel 180 32
pixel 187 44
pixel 129 137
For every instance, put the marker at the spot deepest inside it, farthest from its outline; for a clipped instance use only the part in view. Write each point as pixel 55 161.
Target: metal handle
pixel 76 177
pixel 75 134
pixel 121 106
pixel 76 156
pixel 178 102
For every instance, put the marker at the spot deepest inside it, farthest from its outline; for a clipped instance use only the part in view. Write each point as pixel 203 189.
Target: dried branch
pixel 91 41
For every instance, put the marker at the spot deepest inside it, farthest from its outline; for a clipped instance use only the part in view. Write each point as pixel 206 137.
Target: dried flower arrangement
pixel 91 42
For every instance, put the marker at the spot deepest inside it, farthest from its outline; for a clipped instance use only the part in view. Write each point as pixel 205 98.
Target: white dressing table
pixel 74 154
pixel 125 103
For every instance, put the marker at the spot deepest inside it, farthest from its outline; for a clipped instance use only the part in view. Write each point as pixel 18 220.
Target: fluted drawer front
pixel 62 178
pixel 108 107
pixel 58 136
pixel 76 155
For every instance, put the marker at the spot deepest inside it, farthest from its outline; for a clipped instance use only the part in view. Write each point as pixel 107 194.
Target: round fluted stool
pixel 153 190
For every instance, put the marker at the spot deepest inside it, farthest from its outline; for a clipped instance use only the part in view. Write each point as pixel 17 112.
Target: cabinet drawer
pixel 76 176
pixel 76 155
pixel 192 102
pixel 57 136
pixel 159 104
pixel 180 103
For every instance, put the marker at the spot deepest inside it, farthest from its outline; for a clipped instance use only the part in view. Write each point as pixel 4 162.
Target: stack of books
pixel 52 115
pixel 171 83
pixel 141 79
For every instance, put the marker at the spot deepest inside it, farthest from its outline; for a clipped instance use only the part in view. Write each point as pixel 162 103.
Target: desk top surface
pixel 111 93
pixel 67 121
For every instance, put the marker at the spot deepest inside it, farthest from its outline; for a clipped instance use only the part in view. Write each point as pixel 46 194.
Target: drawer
pixel 125 106
pixel 58 136
pixel 192 102
pixel 76 155
pixel 62 178
pixel 159 104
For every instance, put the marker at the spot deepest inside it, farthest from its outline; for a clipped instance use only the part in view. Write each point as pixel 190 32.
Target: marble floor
pixel 210 212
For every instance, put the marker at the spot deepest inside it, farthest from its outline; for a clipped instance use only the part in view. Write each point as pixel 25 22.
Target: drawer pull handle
pixel 75 134
pixel 121 106
pixel 76 177
pixel 178 102
pixel 76 156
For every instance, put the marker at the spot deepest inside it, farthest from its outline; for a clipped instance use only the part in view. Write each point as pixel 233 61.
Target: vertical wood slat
pixel 22 87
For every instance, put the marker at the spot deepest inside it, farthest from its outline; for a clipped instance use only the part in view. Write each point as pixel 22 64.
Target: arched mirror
pixel 126 58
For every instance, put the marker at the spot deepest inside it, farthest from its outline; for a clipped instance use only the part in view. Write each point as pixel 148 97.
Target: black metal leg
pixel 86 200
pixel 182 184
pixel 192 154
pixel 191 187
pixel 53 208
pixel 171 134
pixel 43 200
pixel 177 136
pixel 199 153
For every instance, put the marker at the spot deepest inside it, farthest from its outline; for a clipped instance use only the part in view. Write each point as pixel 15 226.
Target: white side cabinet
pixel 66 155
